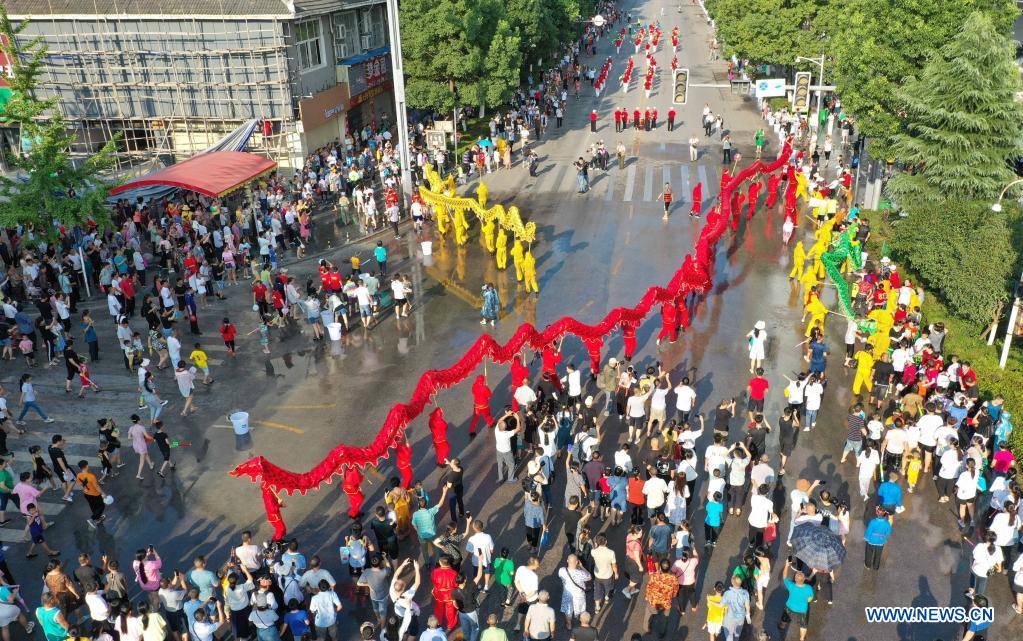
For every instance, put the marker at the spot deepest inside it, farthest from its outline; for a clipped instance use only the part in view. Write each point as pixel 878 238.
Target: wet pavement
pixel 595 252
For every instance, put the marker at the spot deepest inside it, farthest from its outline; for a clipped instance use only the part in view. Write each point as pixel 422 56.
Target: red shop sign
pixel 377 69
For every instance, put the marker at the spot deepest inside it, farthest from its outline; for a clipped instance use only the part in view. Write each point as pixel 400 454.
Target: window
pixel 308 36
pixel 346 40
pixel 372 27
pixel 380 26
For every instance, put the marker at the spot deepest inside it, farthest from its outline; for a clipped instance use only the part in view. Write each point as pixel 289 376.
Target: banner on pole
pixel 770 87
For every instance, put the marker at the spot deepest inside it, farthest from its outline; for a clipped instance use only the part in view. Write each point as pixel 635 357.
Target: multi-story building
pixel 174 76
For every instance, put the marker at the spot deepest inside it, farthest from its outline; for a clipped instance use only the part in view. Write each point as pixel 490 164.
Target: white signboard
pixel 770 87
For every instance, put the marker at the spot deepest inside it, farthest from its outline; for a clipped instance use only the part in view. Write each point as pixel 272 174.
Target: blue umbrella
pixel 484 142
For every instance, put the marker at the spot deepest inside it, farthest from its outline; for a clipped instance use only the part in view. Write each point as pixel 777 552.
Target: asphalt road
pixel 596 251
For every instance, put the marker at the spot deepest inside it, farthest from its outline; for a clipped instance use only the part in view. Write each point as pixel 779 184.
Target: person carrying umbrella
pixel 797 605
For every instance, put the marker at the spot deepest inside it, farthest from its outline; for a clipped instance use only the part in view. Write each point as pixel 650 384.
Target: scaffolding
pixel 171 85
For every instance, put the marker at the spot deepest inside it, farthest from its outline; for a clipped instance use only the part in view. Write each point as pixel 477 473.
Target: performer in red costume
pixel 352 486
pixel 593 346
pixel 403 459
pixel 439 432
pixel 754 193
pixel 772 190
pixel 480 404
pixel 444 582
pixel 667 323
pixel 519 375
pixel 273 504
pixel 551 357
pixel 629 338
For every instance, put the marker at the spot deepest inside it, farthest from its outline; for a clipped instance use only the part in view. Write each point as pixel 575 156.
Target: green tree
pixel 962 119
pixel 540 24
pixel 876 46
pixel 962 124
pixel 769 31
pixel 503 65
pixel 964 253
pixel 37 198
pixel 445 43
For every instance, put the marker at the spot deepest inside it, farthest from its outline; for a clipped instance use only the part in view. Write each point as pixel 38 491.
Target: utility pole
pixel 401 115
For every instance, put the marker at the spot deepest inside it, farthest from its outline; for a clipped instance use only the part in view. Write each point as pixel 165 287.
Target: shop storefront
pixel 323 117
pixel 371 88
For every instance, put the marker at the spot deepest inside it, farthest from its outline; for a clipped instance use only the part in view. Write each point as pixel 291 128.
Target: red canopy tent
pixel 213 174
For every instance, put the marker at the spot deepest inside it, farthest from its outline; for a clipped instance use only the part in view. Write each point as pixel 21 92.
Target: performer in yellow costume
pixel 481 194
pixel 502 249
pixel 442 219
pixel 809 279
pixel 798 259
pixel 864 366
pixel 880 340
pixel 529 273
pixel 801 186
pixel 461 227
pixel 818 312
pixel 488 234
pixel 516 253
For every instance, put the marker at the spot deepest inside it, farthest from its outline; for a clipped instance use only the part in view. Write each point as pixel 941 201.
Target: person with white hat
pixel 757 341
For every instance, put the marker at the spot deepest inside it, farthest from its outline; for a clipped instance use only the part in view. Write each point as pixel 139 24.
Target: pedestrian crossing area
pixel 50 503
pixel 636 183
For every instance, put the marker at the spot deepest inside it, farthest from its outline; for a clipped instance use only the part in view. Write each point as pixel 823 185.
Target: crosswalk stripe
pixel 648 185
pixel 630 181
pixel 38 438
pixel 666 175
pixel 609 191
pixel 685 179
pixel 702 171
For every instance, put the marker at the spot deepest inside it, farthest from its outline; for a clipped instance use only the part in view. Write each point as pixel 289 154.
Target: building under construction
pixel 174 76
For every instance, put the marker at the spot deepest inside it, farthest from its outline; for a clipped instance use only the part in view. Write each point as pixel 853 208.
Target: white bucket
pixel 334 330
pixel 240 421
pixel 427 247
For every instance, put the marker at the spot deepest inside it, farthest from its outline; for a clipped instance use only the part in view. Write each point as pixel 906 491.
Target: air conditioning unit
pixel 367 41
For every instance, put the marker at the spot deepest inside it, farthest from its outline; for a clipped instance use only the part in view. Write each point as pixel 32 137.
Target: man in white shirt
pixel 760 515
pixel 324 606
pixel 248 553
pixel 527 583
pixel 762 472
pixel 204 626
pixel 928 427
pixel 623 459
pixel 685 398
pixel 480 547
pixel 715 455
pixel 812 395
pixel 525 396
pixel 573 381
pixel 656 492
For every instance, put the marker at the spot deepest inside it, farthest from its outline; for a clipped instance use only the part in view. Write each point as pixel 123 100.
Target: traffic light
pixel 681 86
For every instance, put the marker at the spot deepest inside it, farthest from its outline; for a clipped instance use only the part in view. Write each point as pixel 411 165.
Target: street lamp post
pixel 1014 312
pixel 401 116
pixel 820 83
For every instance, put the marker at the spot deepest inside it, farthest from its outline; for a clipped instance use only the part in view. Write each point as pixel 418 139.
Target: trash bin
pixel 427 247
pixel 326 317
pixel 334 329
pixel 240 421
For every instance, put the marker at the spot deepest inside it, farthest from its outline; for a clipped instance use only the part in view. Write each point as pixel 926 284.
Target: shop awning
pixel 212 174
